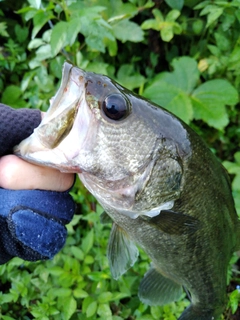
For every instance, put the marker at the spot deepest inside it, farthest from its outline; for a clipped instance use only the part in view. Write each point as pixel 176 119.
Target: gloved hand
pixel 32 222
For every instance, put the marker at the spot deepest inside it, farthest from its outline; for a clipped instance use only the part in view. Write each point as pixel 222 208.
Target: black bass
pixel 157 181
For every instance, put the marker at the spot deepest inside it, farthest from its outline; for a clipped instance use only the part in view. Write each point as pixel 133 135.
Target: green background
pixel 183 55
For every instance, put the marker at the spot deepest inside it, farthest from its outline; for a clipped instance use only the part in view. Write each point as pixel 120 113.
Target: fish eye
pixel 115 106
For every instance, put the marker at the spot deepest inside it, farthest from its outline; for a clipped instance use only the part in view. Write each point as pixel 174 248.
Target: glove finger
pixel 59 205
pixel 44 236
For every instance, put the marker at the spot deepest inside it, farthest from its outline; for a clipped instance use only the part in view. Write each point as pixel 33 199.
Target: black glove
pixel 32 222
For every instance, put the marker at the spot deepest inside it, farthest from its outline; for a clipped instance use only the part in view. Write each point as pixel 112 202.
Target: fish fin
pixel 122 252
pixel 155 289
pixel 175 223
pixel 105 218
pixel 192 313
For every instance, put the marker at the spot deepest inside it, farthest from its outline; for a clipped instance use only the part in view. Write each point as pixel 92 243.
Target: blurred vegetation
pixel 184 55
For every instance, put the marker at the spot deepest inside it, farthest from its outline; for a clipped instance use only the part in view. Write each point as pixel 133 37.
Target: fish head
pixel 111 137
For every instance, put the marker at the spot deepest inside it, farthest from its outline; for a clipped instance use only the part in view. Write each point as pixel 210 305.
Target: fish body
pixel 158 183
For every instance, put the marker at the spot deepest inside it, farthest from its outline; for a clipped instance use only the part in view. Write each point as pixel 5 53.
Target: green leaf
pixel 186 74
pixel 158 15
pixel 213 13
pixel 171 90
pixel 234 168
pixel 126 30
pixel 122 11
pixel 91 309
pixel 11 95
pixel 104 311
pixel 171 98
pixel 62 292
pixel 21 33
pixel 128 77
pixel 105 297
pixel 156 312
pixel 83 9
pixel 35 3
pixel 167 32
pixel 56 66
pixel 234 61
pixel 215 115
pixel 150 24
pixel 27 78
pixel 217 91
pixel 112 47
pixel 77 252
pixel 58 37
pixel 98 276
pixel 87 242
pixel 95 33
pixel 35 43
pixel 44 52
pixel 236 183
pixel 234 300
pixel 181 106
pixel 172 15
pixel 69 307
pixel 3 31
pixel 73 28
pixel 209 101
pixel 223 41
pixel 86 302
pixel 89 259
pixel 39 20
pixel 56 271
pixel 175 4
pixel 237 157
pixel 80 293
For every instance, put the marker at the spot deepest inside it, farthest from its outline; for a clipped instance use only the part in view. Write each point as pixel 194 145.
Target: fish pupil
pixel 115 107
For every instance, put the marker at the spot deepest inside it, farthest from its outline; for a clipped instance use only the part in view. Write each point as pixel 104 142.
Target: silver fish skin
pixel 158 183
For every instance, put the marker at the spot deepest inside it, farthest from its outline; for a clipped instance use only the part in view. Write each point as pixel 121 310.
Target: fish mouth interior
pixel 68 92
pixel 67 67
pixel 59 119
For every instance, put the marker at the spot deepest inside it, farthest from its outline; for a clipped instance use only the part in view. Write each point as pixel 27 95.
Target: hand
pixel 17 174
pixel 32 220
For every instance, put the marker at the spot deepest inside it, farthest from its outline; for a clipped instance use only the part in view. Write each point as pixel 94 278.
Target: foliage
pixel 185 56
pixel 234 169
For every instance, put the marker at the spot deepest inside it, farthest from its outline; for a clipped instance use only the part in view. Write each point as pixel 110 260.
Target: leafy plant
pixel 167 26
pixel 177 92
pixel 234 169
pixel 183 55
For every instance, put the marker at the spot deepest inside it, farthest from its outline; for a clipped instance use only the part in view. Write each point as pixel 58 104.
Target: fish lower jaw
pixel 51 158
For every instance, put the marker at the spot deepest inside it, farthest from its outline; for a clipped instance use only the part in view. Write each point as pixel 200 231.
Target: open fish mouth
pixel 51 143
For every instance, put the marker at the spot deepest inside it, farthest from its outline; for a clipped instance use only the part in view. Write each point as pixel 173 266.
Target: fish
pixel 159 185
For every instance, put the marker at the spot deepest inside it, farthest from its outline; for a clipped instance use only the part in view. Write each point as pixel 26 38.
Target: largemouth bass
pixel 158 183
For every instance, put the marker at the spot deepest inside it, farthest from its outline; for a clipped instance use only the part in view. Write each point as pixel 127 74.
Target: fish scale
pixel 159 184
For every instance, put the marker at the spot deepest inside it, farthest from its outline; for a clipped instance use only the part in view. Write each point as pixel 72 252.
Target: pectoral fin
pixel 155 289
pixel 175 223
pixel 122 252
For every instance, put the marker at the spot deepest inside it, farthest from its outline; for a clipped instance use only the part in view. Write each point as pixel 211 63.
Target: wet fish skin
pixel 157 181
